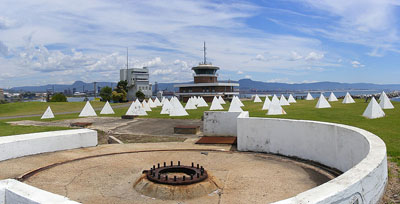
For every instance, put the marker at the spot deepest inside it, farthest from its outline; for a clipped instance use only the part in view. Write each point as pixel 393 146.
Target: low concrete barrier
pixel 360 154
pixel 220 123
pixel 13 191
pixel 35 143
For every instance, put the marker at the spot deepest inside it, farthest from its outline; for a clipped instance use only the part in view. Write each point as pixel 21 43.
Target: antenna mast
pixel 205 61
pixel 127 61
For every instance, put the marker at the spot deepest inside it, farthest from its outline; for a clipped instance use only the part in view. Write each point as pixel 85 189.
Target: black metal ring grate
pixel 159 174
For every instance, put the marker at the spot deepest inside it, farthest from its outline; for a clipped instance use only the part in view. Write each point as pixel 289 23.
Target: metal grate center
pixel 183 175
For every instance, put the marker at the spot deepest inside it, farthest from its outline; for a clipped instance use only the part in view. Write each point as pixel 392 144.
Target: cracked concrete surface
pixel 246 177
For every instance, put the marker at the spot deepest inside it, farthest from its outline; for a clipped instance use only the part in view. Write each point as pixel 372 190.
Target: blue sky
pixel 47 41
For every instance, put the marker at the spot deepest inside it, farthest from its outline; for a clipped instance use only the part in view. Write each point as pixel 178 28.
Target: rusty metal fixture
pixel 160 174
pixel 80 124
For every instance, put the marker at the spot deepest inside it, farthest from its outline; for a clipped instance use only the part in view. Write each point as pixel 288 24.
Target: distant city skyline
pixel 59 42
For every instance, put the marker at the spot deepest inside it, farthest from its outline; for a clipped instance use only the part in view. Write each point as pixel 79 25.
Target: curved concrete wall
pixel 12 191
pixel 361 155
pixel 35 143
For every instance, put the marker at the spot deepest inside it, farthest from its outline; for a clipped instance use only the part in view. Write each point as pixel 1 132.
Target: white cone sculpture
pixel 202 102
pixel 151 103
pixel 385 103
pixel 167 107
pixel 291 99
pixel 196 100
pixel 215 105
pixel 190 105
pixel 136 108
pixel 157 102
pixel 162 100
pixel 309 97
pixel 221 100
pixel 322 102
pixel 348 98
pixel 87 111
pixel 239 101
pixel 283 101
pixel 275 107
pixel 266 104
pixel 383 94
pixel 274 97
pixel 235 106
pixel 373 110
pixel 332 97
pixel 47 114
pixel 146 106
pixel 107 109
pixel 177 109
pixel 257 99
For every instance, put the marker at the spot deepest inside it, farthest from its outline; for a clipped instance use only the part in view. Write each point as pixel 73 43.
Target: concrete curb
pixel 360 154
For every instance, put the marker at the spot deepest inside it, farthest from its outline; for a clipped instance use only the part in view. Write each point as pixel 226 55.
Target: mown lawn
pixel 388 128
pixel 7 129
pixel 32 108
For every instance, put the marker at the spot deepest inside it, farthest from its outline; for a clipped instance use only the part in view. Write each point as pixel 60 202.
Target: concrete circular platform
pixel 245 177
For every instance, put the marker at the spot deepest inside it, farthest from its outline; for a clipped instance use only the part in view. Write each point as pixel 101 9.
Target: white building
pixel 138 79
pixel 1 94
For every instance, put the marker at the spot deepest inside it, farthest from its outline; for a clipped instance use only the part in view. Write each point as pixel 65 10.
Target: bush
pixel 140 95
pixel 106 93
pixel 58 97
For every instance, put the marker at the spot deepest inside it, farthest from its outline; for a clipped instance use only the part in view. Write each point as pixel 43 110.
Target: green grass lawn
pixel 7 129
pixel 388 128
pixel 31 108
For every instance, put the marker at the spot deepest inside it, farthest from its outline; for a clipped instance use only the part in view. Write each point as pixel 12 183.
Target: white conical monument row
pixel 291 99
pixel 275 107
pixel 266 104
pixel 348 98
pixel 87 111
pixel 283 101
pixel 322 102
pixel 385 102
pixel 235 105
pixel 257 99
pixel 47 114
pixel 215 105
pixel 107 109
pixel 309 97
pixel 190 104
pixel 332 97
pixel 373 110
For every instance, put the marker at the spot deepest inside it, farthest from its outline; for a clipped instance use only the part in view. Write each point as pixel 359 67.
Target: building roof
pixel 205 66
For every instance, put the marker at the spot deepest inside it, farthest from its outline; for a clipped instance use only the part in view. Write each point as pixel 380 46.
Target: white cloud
pixel 259 57
pixel 279 80
pixel 247 77
pixel 295 56
pixel 88 42
pixel 239 72
pixel 366 22
pixel 6 23
pixel 314 56
pixel 356 64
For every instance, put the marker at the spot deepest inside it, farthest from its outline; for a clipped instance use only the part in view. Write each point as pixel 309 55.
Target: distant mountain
pixel 80 86
pixel 245 85
pixel 250 85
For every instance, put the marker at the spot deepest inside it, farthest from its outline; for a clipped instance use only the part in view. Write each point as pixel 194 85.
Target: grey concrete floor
pixel 246 177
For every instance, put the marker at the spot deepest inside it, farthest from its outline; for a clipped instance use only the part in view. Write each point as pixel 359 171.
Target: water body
pixel 78 99
pixel 396 99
